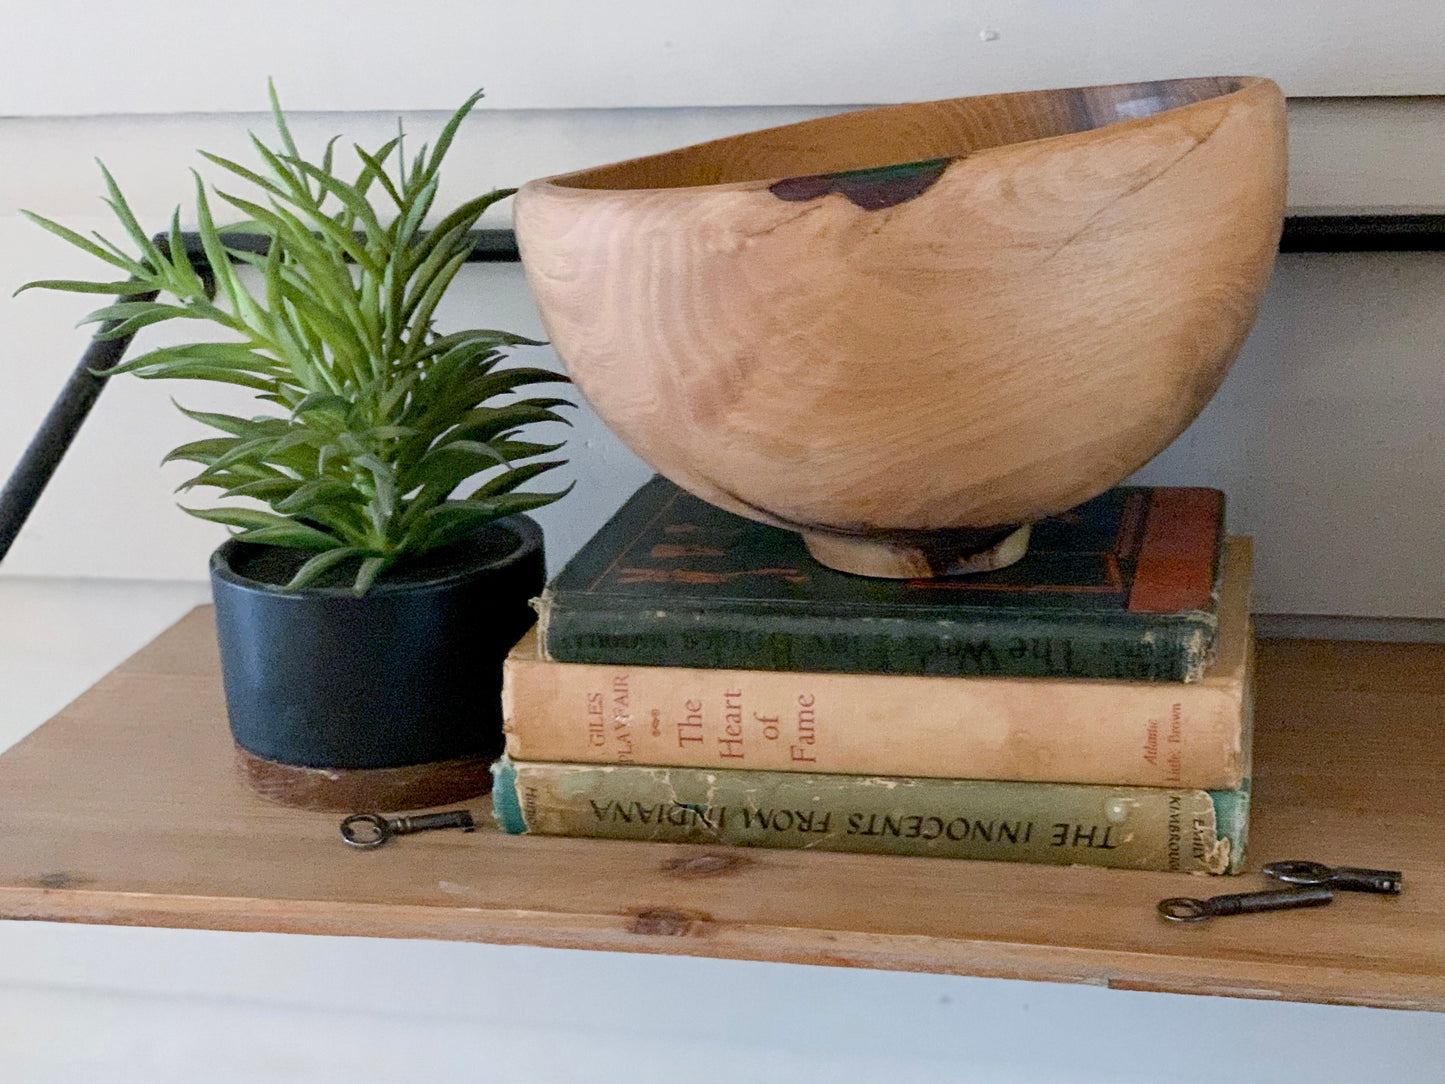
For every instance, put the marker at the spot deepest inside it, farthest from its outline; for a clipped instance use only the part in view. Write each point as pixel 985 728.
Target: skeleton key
pixel 372 829
pixel 1185 909
pixel 1389 882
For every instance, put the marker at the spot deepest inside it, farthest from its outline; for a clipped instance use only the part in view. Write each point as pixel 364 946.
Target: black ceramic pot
pixel 387 701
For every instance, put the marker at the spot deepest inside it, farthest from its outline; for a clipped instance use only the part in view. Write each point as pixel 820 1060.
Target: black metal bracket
pixel 1413 232
pixel 1422 231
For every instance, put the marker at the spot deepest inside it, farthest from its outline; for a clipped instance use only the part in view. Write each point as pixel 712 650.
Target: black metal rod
pixel 488 246
pixel 1414 232
pixel 53 439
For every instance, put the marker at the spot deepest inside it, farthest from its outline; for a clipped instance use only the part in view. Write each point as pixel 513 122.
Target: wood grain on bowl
pixel 955 316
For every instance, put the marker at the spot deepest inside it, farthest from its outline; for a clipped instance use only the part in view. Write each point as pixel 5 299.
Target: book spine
pixel 1178 830
pixel 1030 729
pixel 1167 650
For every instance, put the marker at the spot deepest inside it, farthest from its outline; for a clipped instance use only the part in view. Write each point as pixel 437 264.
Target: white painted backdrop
pixel 1326 437
pixel 579 54
pixel 1326 420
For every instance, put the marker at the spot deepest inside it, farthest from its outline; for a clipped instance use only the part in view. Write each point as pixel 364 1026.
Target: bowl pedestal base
pixel 908 555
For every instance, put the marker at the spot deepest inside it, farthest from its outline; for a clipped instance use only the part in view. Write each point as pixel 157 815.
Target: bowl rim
pixel 558 183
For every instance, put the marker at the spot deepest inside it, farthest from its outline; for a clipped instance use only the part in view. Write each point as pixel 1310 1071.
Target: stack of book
pixel 696 677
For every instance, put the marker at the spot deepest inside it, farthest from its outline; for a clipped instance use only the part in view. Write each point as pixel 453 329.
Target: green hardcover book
pixel 1150 828
pixel 1124 587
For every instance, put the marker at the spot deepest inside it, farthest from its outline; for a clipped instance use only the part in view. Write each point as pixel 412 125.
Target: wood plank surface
pixel 126 809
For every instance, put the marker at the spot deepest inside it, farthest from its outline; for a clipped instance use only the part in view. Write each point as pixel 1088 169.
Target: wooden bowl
pixel 907 332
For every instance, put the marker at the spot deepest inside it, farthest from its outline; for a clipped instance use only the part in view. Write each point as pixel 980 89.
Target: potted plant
pixel 363 605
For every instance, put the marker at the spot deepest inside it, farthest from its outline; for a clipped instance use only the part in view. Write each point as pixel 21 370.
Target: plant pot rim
pixel 527 531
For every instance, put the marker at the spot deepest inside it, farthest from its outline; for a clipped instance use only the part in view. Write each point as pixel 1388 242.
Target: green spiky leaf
pixel 378 418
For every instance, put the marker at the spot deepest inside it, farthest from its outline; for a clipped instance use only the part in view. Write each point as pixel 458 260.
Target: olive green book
pixel 1148 828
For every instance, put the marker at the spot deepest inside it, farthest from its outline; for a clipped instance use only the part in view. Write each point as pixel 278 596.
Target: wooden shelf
pixel 125 809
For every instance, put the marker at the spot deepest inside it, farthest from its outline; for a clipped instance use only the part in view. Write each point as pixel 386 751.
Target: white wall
pixel 1324 422
pixel 1326 437
pixel 571 54
pixel 140 1006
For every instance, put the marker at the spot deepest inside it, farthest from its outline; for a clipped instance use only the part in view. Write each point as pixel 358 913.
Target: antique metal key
pixel 1186 909
pixel 372 829
pixel 1388 882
